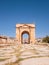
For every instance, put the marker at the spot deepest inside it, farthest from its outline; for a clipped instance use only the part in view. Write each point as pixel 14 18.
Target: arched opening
pixel 25 37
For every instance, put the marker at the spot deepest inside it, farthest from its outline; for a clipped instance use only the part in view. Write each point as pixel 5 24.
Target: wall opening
pixel 25 38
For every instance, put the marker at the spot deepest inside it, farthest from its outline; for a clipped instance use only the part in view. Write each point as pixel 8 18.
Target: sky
pixel 24 11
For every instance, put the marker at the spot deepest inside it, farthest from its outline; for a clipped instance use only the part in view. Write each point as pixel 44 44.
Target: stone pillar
pixel 17 34
pixel 32 35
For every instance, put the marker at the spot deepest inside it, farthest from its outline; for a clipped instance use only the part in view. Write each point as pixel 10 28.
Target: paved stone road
pixel 25 51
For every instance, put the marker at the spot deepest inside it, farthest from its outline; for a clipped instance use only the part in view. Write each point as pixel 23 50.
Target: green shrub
pixel 46 39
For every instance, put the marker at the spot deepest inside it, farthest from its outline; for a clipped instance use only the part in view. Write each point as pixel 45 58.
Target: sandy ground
pixel 36 61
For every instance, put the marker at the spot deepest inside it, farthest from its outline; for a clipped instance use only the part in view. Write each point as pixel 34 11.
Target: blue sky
pixel 24 11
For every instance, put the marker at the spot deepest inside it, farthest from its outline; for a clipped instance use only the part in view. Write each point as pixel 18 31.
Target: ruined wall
pixel 6 40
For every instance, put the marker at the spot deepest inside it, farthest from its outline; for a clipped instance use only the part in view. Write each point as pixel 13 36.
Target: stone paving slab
pixel 35 61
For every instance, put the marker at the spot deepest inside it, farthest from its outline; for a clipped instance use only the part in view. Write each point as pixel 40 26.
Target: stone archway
pixel 27 40
pixel 25 28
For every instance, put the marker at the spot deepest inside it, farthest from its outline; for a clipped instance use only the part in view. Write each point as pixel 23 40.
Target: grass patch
pixel 3 59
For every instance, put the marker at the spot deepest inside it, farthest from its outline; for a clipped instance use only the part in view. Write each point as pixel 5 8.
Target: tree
pixel 46 39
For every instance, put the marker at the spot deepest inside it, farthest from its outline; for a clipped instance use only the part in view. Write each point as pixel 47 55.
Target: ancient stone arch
pixel 25 28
